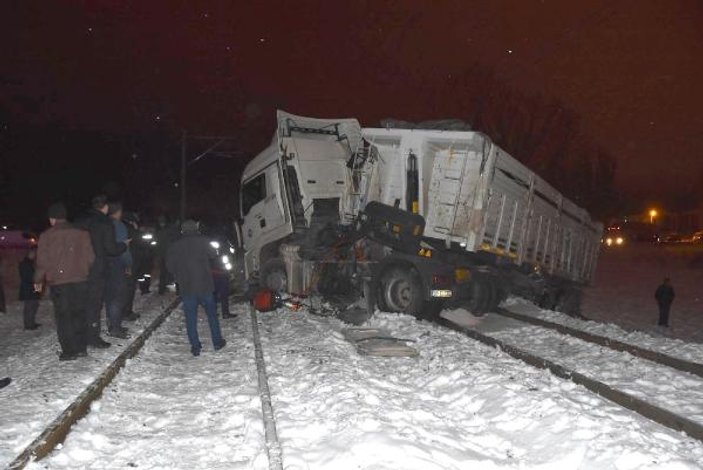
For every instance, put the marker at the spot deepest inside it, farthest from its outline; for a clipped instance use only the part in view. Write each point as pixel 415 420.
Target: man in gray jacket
pixel 188 259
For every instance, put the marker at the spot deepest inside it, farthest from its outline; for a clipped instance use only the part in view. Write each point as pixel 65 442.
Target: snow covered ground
pixel 626 277
pixel 458 405
pixel 42 387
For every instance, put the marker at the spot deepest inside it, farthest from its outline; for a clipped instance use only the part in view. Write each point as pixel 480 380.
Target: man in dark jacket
pixel 64 258
pixel 166 234
pixel 137 250
pixel 665 296
pixel 188 260
pixel 118 269
pixel 102 235
pixel 27 293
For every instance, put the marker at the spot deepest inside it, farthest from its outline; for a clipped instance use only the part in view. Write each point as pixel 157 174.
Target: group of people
pixel 95 261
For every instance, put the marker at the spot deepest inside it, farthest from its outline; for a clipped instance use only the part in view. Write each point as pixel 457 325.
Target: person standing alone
pixel 664 296
pixel 188 259
pixel 64 258
pixel 28 295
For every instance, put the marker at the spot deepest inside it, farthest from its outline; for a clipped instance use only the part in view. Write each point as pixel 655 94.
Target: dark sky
pixel 632 69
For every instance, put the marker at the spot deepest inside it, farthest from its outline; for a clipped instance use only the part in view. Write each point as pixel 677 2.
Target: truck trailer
pixel 413 220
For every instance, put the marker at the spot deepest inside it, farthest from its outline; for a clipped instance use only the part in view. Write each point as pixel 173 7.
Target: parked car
pixel 14 238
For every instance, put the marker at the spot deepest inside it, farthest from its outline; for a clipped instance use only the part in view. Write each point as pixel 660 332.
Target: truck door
pixel 264 213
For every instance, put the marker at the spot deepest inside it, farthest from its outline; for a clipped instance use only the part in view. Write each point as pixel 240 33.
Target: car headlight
pixel 225 259
pixel 608 241
pixel 147 236
pixel 619 241
pixel 231 250
pixel 228 267
pixel 215 244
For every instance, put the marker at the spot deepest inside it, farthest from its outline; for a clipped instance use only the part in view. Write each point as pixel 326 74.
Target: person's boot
pixel 99 343
pixel 133 316
pixel 220 345
pixel 67 357
pixel 118 333
pixel 229 315
pixel 33 327
pixel 5 382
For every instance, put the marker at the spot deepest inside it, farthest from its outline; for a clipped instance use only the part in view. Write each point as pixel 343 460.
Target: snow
pixel 42 387
pixel 459 404
pixel 623 289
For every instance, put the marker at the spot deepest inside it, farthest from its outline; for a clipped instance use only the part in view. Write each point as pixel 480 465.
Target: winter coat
pixel 102 235
pixel 26 270
pixel 664 294
pixel 121 236
pixel 64 256
pixel 188 259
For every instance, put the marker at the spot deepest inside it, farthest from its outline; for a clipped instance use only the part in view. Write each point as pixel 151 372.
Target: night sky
pixel 632 71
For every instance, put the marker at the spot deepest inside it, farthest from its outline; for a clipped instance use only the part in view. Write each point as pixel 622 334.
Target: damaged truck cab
pixel 412 219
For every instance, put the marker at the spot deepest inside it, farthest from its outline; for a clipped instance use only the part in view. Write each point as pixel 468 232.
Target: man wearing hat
pixel 64 257
pixel 188 259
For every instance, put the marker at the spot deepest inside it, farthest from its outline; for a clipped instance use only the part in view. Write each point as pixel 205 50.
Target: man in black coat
pixel 188 259
pixel 102 235
pixel 665 296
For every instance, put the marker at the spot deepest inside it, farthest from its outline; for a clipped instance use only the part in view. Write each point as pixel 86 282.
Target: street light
pixel 652 215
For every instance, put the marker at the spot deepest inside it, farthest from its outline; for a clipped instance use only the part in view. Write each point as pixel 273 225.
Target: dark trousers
pixel 96 297
pixel 130 290
pixel 70 311
pixel 664 314
pixel 30 312
pixel 190 307
pixel 164 276
pixel 222 291
pixel 115 297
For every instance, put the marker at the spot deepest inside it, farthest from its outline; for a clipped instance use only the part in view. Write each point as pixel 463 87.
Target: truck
pixel 411 220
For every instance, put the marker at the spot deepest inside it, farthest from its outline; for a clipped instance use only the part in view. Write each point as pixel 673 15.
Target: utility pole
pixel 183 176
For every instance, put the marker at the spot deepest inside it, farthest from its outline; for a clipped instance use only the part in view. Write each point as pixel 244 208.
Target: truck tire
pixel 400 290
pixel 483 295
pixel 273 275
pixel 569 302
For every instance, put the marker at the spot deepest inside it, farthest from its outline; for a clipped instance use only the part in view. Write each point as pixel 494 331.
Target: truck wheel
pixel 273 275
pixel 569 302
pixel 482 293
pixel 401 291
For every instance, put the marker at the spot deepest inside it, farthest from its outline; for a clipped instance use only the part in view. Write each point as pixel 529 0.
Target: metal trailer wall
pixel 476 195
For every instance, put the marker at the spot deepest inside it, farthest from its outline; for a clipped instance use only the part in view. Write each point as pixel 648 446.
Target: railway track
pixel 57 431
pixel 644 407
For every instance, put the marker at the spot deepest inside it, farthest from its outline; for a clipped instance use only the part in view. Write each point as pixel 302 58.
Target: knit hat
pixel 57 211
pixel 190 226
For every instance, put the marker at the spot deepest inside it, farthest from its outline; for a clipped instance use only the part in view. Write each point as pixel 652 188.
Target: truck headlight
pixel 147 236
pixel 215 244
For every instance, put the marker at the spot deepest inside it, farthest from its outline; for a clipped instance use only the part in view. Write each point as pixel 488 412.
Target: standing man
pixel 136 250
pixel 102 235
pixel 188 260
pixel 166 234
pixel 118 269
pixel 28 295
pixel 665 296
pixel 64 258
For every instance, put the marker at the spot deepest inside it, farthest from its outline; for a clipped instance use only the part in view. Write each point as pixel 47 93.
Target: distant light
pixel 147 236
pixel 619 241
pixel 653 213
pixel 153 243
pixel 231 250
pixel 462 244
pixel 215 244
pixel 225 259
pixel 228 267
pixel 4 227
pixel 510 51
pixel 262 39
